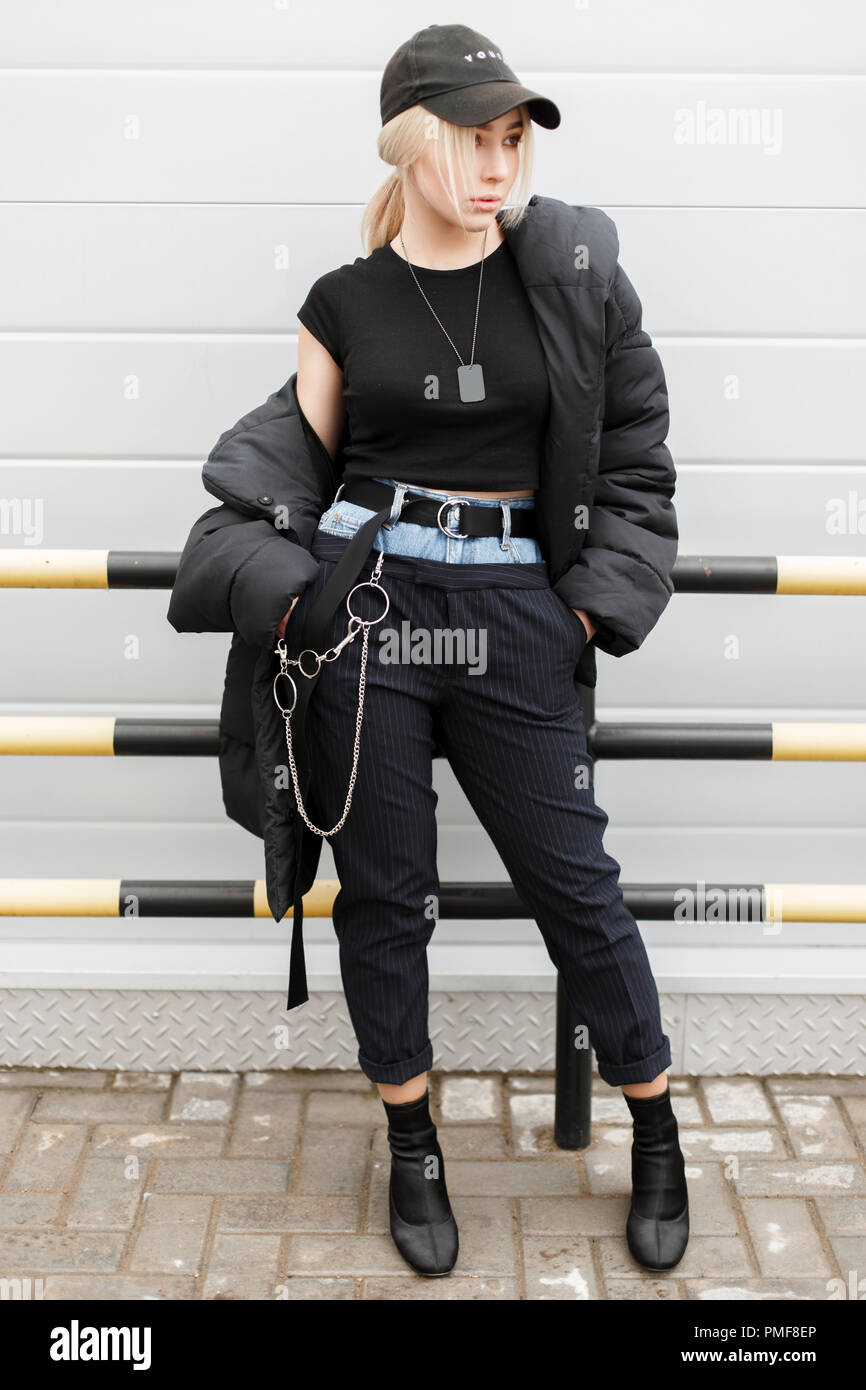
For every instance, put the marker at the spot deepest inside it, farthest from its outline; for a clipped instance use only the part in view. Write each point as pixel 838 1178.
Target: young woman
pixel 432 345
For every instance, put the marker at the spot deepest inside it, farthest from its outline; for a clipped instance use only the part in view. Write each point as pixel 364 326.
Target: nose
pixel 494 171
pixel 494 167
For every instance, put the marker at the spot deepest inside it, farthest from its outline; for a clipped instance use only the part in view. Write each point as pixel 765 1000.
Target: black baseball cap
pixel 460 75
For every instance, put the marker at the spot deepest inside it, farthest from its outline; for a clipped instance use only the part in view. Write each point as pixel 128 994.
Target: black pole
pixel 572 1124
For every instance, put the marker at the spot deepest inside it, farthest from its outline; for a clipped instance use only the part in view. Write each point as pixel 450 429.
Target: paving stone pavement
pixel 221 1185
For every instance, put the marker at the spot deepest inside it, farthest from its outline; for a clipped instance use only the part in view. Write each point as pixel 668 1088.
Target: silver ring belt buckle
pixel 451 502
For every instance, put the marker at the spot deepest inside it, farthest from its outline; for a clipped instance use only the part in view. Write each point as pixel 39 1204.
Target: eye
pixel 517 138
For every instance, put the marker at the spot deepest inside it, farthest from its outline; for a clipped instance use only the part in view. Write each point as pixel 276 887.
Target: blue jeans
pixel 428 542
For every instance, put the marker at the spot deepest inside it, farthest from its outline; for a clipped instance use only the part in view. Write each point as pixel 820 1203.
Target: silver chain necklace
pixel 470 377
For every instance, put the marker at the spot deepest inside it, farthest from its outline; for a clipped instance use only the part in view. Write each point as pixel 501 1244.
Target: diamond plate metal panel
pixel 765 1033
pixel 191 1030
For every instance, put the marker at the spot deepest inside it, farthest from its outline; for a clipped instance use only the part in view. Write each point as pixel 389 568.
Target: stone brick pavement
pixel 221 1185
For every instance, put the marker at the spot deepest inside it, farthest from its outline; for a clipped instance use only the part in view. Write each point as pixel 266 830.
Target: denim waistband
pixel 442 574
pixel 414 541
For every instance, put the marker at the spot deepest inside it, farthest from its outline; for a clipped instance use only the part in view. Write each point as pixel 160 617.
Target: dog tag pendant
pixel 471 381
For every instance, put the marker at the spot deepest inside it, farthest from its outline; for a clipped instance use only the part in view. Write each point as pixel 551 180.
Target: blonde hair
pixel 402 140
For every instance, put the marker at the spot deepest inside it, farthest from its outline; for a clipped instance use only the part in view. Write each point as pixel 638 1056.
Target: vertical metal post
pixel 572 1124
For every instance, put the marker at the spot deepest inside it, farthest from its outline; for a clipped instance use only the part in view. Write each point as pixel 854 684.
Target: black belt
pixel 472 520
pixel 316 632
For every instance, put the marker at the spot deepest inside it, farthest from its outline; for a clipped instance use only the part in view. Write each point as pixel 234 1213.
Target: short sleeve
pixel 320 313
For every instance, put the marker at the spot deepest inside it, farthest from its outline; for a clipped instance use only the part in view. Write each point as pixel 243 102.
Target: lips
pixel 486 202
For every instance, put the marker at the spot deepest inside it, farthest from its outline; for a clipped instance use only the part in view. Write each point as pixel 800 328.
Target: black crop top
pixel 406 419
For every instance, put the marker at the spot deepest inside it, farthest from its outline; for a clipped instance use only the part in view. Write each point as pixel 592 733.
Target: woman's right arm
pixel 320 396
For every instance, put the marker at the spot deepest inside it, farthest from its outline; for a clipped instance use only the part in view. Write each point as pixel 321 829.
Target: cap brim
pixel 481 102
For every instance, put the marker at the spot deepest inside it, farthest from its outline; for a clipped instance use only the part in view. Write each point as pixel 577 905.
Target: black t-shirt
pixel 406 418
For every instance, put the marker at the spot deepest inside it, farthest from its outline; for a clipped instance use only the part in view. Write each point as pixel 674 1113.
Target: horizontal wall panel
pixel 785 659
pixel 451 967
pixel 673 846
pixel 759 400
pixel 189 848
pixel 151 504
pixel 798 272
pixel 748 508
pixel 635 792
pixel 126 396
pixel 86 647
pixel 791 656
pixel 164 268
pixel 182 268
pixel 775 508
pixel 274 136
pixel 621 35
pixel 96 504
pixel 24 941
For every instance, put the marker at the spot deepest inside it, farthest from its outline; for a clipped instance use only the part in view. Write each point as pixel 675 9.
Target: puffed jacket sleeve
pixel 245 561
pixel 622 577
pixel 237 574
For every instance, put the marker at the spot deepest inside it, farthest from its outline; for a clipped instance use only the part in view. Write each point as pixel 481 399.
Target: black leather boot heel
pixel 422 1222
pixel 657 1230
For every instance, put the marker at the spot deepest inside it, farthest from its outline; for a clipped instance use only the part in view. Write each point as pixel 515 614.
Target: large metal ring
pixel 294 692
pixel 450 502
pixel 368 584
pixel 309 674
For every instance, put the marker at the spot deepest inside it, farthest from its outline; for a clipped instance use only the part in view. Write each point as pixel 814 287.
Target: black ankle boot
pixel 657 1230
pixel 422 1222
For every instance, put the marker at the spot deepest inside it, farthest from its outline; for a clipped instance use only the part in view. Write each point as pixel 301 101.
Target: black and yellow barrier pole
pixel 770 574
pixel 26 567
pixel 713 903
pixel 130 897
pixel 32 567
pixel 774 741
pixel 112 736
pixel 107 736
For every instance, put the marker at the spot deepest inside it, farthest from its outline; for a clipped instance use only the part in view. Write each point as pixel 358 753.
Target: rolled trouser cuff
pixel 395 1073
pixel 645 1070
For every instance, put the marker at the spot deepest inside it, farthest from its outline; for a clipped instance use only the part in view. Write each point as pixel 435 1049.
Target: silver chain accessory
pixel 355 623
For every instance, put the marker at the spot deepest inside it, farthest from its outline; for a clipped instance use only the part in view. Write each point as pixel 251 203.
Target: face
pixel 496 166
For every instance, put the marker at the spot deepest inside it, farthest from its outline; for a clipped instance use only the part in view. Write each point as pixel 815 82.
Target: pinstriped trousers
pixel 503 706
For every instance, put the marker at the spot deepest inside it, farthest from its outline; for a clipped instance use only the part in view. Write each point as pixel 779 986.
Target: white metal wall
pixel 174 177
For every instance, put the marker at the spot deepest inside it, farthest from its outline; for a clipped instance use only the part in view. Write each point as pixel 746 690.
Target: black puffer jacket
pixel 607 524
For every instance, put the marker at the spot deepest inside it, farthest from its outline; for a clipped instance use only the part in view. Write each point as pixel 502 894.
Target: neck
pixel 443 246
